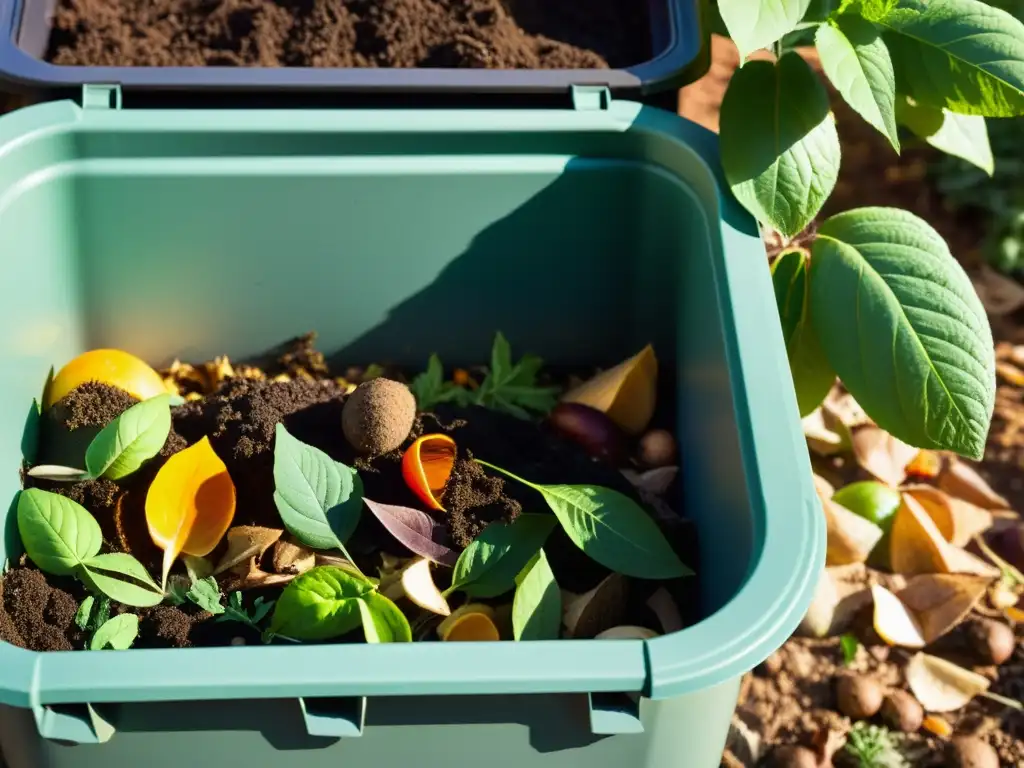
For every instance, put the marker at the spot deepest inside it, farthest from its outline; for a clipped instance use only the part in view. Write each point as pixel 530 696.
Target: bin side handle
pixel 75 723
pixel 334 716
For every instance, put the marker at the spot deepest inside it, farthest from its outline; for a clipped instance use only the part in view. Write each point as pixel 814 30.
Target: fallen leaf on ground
pixel 626 393
pixel 962 481
pixel 942 686
pixel 850 537
pixel 926 465
pixel 244 542
pixel 927 608
pixel 291 557
pixel 958 521
pixel 1011 374
pixel 840 595
pixel 917 546
pixel 999 294
pixel 882 455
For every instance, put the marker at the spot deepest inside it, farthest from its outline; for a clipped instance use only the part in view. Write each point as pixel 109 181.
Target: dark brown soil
pixel 36 615
pixel 486 34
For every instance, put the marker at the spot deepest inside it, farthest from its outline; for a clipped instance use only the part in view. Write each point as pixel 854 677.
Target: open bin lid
pixel 680 41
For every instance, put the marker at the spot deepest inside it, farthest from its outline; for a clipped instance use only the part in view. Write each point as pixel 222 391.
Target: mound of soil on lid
pixel 37 615
pixel 489 34
pixel 68 427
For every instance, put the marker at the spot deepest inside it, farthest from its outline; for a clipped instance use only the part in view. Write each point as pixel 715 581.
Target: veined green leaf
pixel 383 621
pixel 813 377
pixel 130 440
pixel 902 326
pixel 960 55
pixel 963 136
pixel 756 24
pixel 779 145
pixel 58 534
pixel 537 605
pixel 319 605
pixel 118 633
pixel 872 10
pixel 854 56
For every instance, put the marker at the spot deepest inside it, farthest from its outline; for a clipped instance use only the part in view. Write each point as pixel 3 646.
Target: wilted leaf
pixel 962 481
pixel 246 542
pixel 927 608
pixel 601 608
pixel 626 393
pixel 289 557
pixel 415 529
pixel 917 546
pixel 942 686
pixel 190 503
pixel 958 521
pixel 882 455
pixel 941 601
pixel 893 622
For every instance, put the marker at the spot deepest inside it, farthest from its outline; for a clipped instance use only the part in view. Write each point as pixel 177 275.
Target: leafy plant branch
pixel 877 300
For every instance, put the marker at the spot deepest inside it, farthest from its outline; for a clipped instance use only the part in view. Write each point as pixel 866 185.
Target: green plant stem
pixel 507 474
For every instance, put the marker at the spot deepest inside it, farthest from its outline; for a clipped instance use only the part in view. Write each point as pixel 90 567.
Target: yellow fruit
pixel 473 622
pixel 107 366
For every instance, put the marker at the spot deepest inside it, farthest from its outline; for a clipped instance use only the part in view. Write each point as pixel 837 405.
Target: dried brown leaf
pixel 940 602
pixel 653 481
pixel 626 393
pixel 822 439
pixel 882 455
pixel 960 480
pixel 850 536
pixel 603 607
pixel 291 557
pixel 917 546
pixel 246 542
pixel 958 521
pixel 665 608
pixel 841 593
pixel 942 686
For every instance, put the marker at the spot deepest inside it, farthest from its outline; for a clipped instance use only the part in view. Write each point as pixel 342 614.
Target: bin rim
pixel 756 620
pixel 680 31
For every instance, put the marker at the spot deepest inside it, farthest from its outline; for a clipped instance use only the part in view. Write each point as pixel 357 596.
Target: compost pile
pixel 491 34
pixel 249 487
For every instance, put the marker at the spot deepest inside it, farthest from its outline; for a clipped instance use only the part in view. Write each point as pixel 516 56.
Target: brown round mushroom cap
pixel 378 416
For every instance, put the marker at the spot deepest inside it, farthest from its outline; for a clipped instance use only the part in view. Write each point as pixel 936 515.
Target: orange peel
pixel 426 466
pixel 114 367
pixel 470 623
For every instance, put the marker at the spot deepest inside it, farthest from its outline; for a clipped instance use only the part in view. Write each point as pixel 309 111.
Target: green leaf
pixel 260 609
pixel 206 594
pixel 872 10
pixel 130 440
pixel 904 329
pixel 118 633
pixel 849 644
pixel 512 388
pixel 320 604
pixel 963 136
pixel 57 533
pixel 779 146
pixel 757 24
pixel 960 55
pixel 537 606
pixel 177 590
pixel 813 377
pixel 611 528
pixel 84 613
pixel 319 499
pixel 489 565
pixel 854 57
pixel 383 622
pixel 138 590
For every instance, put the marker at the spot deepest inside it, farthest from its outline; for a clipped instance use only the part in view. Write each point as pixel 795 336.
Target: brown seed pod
pixel 858 698
pixel 657 449
pixel 378 416
pixel 970 752
pixel 992 641
pixel 902 712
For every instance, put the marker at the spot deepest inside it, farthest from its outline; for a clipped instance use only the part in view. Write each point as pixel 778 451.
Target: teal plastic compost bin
pixel 582 233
